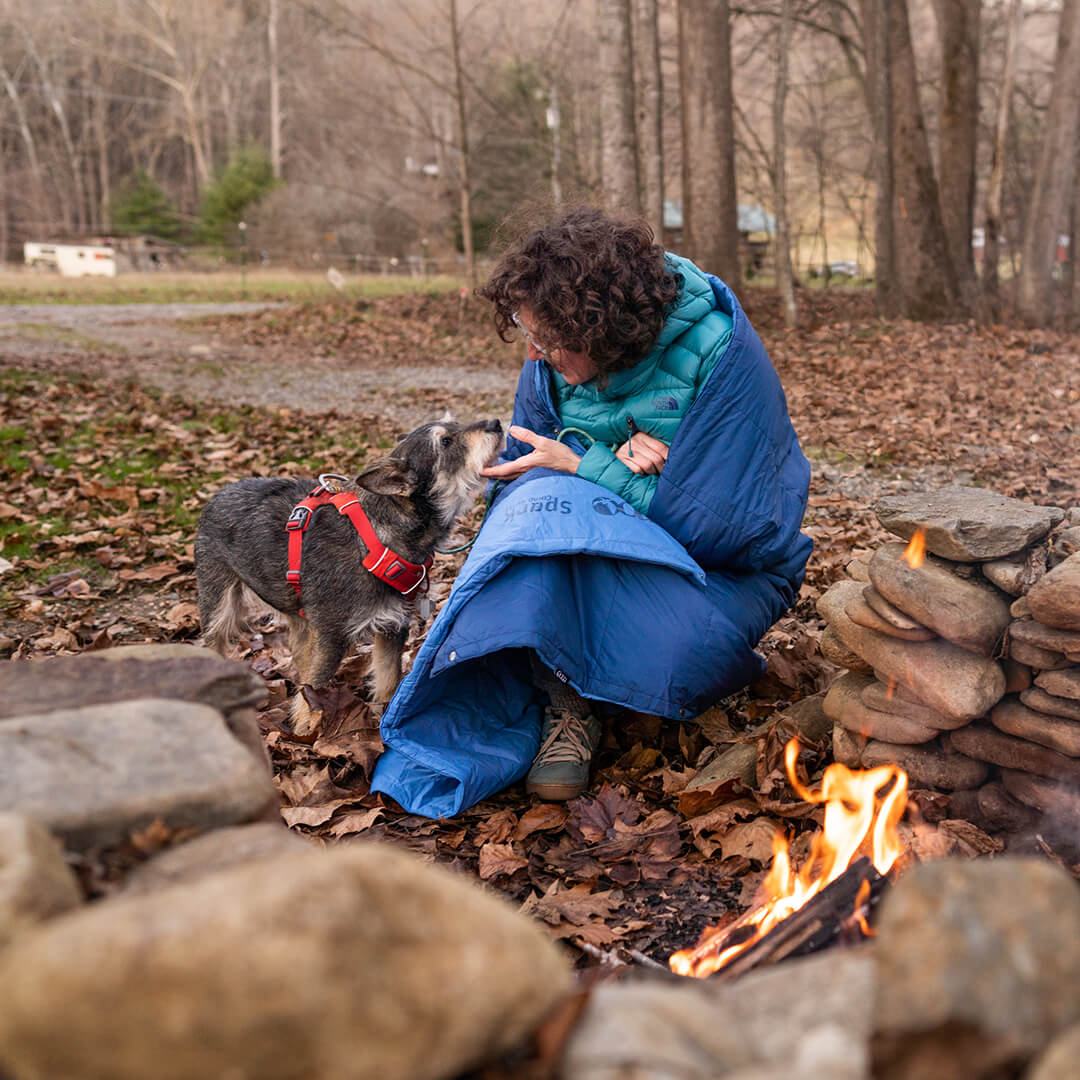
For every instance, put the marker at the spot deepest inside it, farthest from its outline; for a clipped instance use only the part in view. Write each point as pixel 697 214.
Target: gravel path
pixel 161 345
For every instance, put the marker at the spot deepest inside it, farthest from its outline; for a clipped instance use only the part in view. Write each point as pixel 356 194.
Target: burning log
pixel 857 845
pixel 837 911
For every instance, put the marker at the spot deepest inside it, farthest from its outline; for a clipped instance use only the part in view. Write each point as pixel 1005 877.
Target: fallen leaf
pixel 355 822
pixel 497 859
pixel 497 828
pixel 577 904
pixel 751 839
pixel 182 616
pixel 58 639
pixel 544 817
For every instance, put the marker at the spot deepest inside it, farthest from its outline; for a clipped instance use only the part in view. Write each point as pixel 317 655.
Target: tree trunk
pixel 958 22
pixel 784 276
pixel 650 102
pixel 879 96
pixel 996 185
pixel 710 211
pixel 615 60
pixel 463 147
pixel 4 218
pixel 925 270
pixel 1053 193
pixel 554 120
pixel 275 86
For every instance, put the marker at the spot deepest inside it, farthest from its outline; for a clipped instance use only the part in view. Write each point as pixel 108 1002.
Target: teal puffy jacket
pixel 654 395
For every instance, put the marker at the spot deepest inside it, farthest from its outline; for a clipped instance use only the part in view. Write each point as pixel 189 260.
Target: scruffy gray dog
pixel 411 500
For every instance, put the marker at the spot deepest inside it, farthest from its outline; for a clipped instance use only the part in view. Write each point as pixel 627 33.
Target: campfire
pixel 857 846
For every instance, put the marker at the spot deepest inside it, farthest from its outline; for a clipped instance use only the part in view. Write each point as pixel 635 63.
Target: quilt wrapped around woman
pixel 656 613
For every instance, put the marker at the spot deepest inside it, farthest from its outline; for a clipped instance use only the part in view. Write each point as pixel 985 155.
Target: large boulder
pixel 1058 1061
pixel 1015 574
pixel 878 695
pixel 844 704
pixel 36 882
pixel 360 963
pixel 213 851
pixel 1051 704
pixel 1016 717
pixel 1054 599
pixel 1065 683
pixel 176 671
pixel 967 524
pixel 947 678
pixel 978 967
pixel 94 774
pixel 927 766
pixel 806 1018
pixel 968 613
pixel 984 743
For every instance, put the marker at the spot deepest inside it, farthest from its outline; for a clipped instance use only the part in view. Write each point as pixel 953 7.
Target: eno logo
pixel 612 507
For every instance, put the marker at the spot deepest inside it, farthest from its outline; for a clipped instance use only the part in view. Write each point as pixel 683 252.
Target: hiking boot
pixel 560 770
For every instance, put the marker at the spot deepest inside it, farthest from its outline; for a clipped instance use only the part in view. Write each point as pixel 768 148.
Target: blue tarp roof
pixel 751 218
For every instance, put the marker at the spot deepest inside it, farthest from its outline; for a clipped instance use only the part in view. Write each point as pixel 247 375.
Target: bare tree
pixel 785 279
pixel 615 60
pixel 1052 198
pixel 879 93
pixel 463 147
pixel 648 86
pixel 710 210
pixel 958 22
pixel 996 184
pixel 174 56
pixel 275 85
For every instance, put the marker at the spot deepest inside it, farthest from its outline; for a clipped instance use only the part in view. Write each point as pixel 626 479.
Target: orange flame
pixel 915 552
pixel 862 810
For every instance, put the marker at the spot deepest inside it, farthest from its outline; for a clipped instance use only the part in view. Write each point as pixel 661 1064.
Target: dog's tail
pixel 223 600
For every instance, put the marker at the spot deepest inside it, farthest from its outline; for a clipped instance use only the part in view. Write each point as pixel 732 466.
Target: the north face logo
pixel 665 404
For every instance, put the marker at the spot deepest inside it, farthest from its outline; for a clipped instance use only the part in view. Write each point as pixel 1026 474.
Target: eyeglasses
pixel 526 335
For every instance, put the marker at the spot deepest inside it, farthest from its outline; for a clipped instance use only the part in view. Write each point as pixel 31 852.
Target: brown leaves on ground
pixel 101 484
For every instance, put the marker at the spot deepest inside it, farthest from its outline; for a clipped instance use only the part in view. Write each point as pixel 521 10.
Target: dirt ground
pixel 203 393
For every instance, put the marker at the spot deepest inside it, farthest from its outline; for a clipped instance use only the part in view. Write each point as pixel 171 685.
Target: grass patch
pixel 91 465
pixel 222 286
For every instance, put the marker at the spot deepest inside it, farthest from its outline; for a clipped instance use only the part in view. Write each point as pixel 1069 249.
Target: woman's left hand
pixel 546 454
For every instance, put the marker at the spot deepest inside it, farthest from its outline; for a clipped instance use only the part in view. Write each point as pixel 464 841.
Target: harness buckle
pixel 292 577
pixel 299 518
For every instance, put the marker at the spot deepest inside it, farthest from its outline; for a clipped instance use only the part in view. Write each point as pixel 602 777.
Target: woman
pixel 644 378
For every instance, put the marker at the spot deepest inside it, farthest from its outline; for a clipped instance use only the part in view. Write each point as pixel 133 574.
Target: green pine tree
pixel 246 178
pixel 140 206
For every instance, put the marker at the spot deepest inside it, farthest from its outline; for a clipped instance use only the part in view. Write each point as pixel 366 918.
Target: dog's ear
pixel 388 477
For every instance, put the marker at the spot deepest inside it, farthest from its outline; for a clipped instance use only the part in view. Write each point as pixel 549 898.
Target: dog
pixel 411 500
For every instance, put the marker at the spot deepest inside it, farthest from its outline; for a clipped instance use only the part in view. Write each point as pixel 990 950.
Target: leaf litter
pixel 101 482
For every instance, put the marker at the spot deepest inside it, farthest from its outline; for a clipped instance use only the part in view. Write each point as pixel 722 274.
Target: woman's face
pixel 575 367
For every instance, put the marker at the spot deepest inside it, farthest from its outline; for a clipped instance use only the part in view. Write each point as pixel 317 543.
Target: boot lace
pixel 568 740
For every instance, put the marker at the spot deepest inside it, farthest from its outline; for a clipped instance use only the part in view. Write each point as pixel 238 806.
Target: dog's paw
pixel 305 719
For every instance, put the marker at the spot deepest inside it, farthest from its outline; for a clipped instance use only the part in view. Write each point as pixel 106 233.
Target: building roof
pixel 751 218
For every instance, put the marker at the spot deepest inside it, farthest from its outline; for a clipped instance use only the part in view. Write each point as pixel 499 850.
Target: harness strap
pixel 395 571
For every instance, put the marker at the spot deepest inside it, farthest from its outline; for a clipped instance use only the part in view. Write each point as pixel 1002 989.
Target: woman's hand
pixel 650 454
pixel 546 454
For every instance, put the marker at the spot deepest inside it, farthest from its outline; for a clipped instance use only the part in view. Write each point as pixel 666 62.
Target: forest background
pixel 930 144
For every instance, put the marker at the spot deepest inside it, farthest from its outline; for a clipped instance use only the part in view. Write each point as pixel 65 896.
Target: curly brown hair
pixel 592 284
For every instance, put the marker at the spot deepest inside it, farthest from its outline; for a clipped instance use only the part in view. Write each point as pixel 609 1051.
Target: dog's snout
pixel 494 426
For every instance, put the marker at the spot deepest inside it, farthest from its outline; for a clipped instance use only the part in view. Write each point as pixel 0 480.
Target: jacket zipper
pixel 632 430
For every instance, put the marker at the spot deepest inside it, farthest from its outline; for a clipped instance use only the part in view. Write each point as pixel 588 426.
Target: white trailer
pixel 72 260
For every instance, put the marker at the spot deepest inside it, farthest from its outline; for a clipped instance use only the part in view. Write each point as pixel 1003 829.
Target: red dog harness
pixel 397 572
